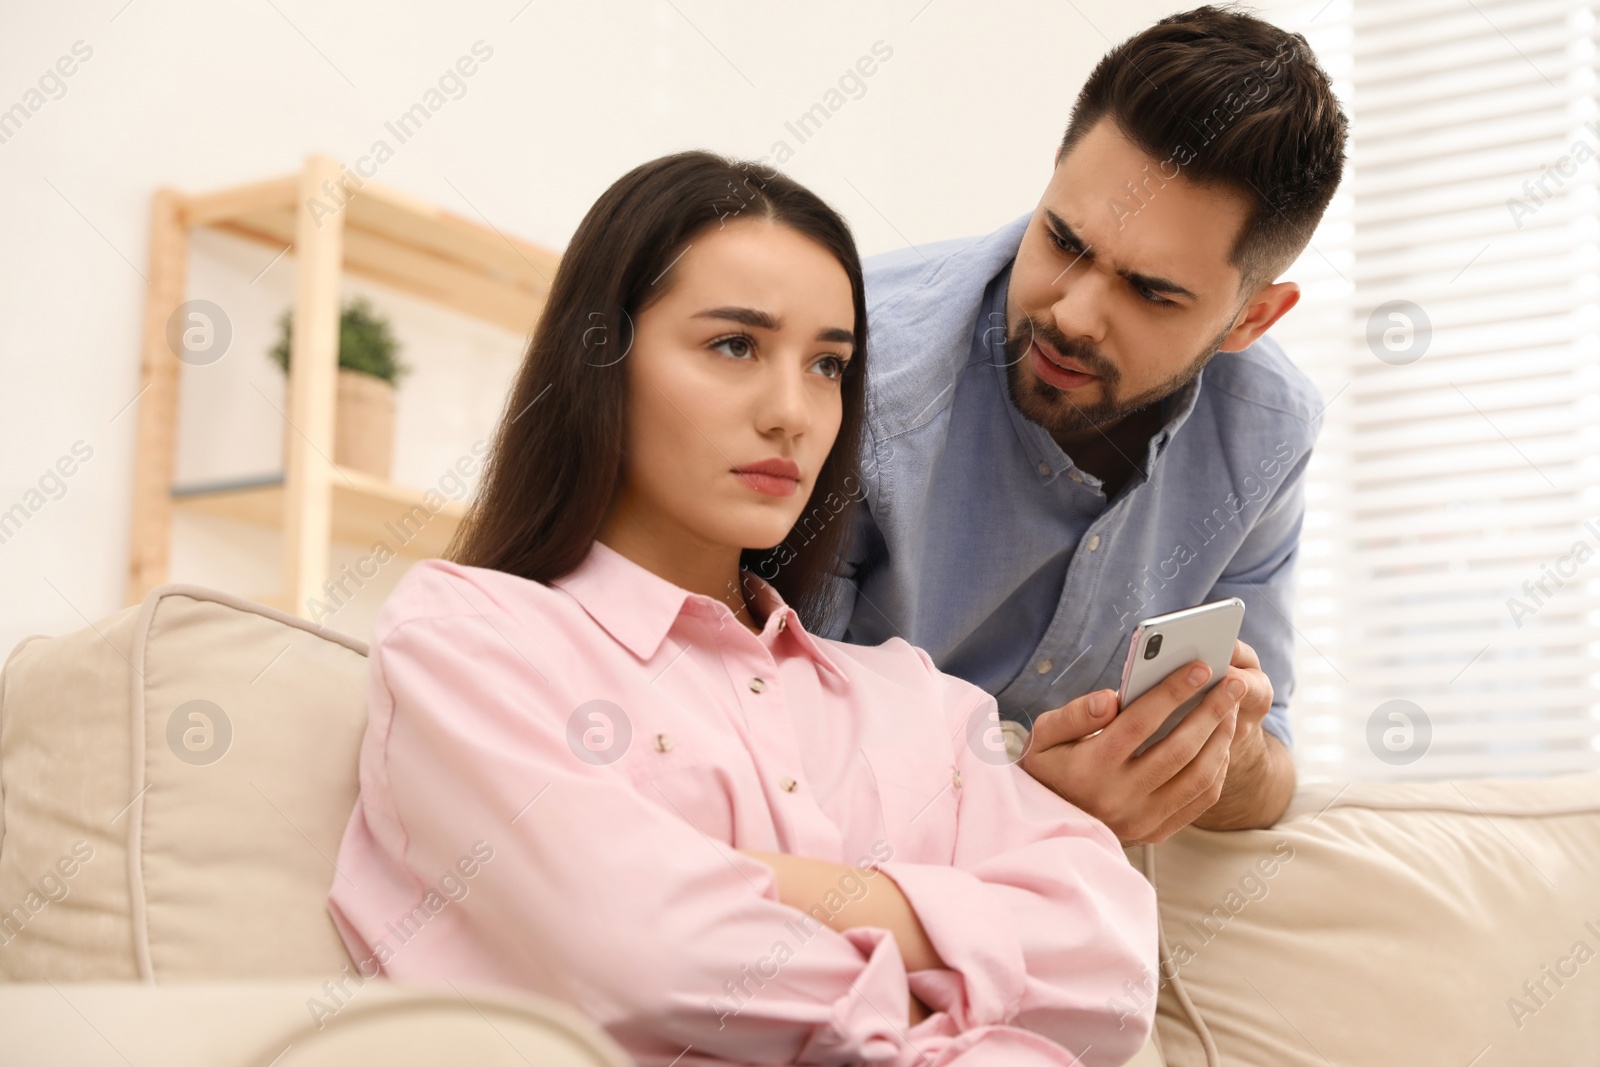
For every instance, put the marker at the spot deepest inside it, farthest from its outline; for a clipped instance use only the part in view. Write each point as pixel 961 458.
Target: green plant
pixel 366 343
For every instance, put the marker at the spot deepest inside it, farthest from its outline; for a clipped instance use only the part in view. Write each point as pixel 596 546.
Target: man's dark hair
pixel 1223 98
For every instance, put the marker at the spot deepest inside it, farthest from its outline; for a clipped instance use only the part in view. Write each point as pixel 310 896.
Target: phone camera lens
pixel 1152 647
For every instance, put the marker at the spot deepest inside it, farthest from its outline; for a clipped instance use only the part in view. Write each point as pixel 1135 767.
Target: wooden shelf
pixel 406 243
pixel 365 510
pixel 331 221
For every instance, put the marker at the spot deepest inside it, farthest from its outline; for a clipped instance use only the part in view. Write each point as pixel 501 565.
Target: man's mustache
pixel 1079 351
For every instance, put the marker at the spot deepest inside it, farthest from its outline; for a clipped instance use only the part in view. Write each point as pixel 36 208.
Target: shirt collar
pixel 1043 451
pixel 637 606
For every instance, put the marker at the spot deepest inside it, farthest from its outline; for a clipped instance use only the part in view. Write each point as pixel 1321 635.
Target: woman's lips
pixel 770 484
pixel 1051 374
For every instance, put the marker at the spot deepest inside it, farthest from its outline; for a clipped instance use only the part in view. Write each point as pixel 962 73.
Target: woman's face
pixel 738 363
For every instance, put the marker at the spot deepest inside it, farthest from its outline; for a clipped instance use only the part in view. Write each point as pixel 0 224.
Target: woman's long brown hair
pixel 557 455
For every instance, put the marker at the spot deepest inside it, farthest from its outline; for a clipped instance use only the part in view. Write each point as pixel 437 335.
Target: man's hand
pixel 1261 775
pixel 1084 752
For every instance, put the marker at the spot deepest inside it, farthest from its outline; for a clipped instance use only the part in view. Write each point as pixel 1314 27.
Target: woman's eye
pixel 839 365
pixel 743 343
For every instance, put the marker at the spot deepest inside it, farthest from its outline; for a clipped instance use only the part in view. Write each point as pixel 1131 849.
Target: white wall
pixel 952 135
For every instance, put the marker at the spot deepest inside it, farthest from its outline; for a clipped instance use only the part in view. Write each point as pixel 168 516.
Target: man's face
pixel 1124 272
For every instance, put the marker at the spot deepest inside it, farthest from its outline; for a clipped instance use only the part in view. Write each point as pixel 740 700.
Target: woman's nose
pixel 784 404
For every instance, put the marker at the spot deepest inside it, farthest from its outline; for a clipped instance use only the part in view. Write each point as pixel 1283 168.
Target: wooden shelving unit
pixel 377 233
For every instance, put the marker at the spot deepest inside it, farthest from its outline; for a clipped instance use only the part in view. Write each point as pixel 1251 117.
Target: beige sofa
pixel 174 781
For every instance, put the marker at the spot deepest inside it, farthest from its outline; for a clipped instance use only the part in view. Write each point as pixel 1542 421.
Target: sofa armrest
pixel 292 1023
pixel 1385 924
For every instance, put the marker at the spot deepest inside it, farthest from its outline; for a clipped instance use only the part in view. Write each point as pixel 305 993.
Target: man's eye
pixel 1063 243
pixel 1150 296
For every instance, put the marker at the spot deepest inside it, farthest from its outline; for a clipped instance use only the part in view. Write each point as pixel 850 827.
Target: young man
pixel 1077 423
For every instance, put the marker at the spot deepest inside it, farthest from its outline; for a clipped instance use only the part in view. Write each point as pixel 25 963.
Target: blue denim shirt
pixel 984 544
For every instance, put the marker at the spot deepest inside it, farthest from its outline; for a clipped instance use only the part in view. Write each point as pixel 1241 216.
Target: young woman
pixel 608 762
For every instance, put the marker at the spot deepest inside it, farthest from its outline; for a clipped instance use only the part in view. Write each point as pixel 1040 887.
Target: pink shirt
pixel 554 780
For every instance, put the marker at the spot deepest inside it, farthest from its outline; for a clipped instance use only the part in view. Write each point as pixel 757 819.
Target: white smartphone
pixel 1163 643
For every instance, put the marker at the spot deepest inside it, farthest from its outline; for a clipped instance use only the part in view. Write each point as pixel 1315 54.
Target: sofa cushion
pixel 64 773
pixel 199 752
pixel 1387 924
pixel 248 1024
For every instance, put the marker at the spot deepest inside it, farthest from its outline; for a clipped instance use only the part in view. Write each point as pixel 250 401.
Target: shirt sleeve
pixel 1261 574
pixel 598 896
pixel 1041 921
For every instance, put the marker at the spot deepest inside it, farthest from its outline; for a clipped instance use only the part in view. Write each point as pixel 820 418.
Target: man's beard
pixel 1052 408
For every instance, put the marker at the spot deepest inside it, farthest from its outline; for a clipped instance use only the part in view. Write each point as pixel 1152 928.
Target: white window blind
pixel 1448 600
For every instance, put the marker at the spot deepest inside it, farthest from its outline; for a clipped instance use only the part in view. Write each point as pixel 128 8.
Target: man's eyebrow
pixel 767 321
pixel 1154 283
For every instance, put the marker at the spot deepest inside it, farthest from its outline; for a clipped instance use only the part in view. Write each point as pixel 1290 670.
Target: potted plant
pixel 369 370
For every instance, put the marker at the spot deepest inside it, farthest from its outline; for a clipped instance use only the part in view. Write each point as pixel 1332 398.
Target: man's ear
pixel 1265 307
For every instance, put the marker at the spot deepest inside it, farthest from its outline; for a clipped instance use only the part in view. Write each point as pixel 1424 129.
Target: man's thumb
pixel 1075 720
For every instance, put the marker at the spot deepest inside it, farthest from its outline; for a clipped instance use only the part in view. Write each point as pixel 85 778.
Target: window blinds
pixel 1448 597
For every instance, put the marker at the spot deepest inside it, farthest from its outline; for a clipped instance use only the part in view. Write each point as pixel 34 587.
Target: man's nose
pixel 1083 295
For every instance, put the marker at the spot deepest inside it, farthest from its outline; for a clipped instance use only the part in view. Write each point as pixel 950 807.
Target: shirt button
pixel 1075 476
pixel 757 685
pixel 1043 667
pixel 1044 468
pixel 1094 543
pixel 783 620
pixel 663 743
pixel 789 785
pixel 955 779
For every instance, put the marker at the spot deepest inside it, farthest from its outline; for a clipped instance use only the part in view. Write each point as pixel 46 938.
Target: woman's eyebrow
pixel 766 321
